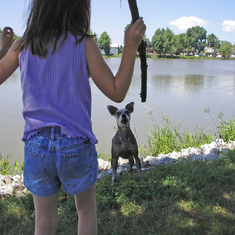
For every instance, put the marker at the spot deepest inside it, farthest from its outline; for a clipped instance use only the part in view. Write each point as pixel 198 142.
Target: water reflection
pixel 193 83
pixel 184 85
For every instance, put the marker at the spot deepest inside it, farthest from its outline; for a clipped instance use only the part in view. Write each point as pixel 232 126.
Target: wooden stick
pixel 142 52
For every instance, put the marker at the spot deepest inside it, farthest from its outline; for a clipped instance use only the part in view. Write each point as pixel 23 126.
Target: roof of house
pixel 209 50
pixel 114 45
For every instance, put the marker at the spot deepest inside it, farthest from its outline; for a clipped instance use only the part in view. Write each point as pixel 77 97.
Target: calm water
pixel 179 89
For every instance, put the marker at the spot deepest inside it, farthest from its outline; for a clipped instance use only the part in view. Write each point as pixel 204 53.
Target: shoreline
pixel 184 57
pixel 12 185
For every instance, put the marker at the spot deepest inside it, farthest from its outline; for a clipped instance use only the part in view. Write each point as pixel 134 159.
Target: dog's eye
pixel 118 112
pixel 126 112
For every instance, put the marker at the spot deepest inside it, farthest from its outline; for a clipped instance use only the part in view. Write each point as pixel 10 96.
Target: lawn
pixel 183 198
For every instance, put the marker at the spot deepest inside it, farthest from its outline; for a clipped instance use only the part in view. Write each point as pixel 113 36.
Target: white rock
pixel 8 179
pixel 220 143
pixel 194 150
pixel 2 180
pixel 104 165
pixel 175 155
pixel 185 153
pixel 160 155
pixel 229 146
pixel 17 178
pixel 150 159
pixel 122 161
pixel 17 187
pixel 205 149
pixel 6 189
pixel 233 145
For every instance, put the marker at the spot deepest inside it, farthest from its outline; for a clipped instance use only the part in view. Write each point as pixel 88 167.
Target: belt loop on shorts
pixel 52 133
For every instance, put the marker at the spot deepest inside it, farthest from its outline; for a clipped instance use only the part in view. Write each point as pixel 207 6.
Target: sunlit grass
pixel 184 198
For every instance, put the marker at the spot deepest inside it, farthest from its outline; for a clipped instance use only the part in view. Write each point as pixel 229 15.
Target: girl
pixel 56 56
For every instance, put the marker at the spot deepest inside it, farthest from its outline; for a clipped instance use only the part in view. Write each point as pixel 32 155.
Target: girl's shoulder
pixel 91 46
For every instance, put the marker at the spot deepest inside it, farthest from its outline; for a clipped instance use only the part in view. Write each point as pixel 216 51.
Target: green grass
pixel 184 198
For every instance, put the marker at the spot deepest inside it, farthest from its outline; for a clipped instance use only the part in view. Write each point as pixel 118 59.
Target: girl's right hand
pixel 134 34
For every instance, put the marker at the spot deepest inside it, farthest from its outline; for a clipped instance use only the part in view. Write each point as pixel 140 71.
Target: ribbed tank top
pixel 56 91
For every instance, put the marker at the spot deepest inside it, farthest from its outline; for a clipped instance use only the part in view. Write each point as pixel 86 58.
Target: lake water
pixel 179 89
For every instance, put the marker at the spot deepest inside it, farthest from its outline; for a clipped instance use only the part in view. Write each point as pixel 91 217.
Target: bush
pixel 227 129
pixel 5 166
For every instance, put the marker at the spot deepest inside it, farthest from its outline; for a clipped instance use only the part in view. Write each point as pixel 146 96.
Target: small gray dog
pixel 124 143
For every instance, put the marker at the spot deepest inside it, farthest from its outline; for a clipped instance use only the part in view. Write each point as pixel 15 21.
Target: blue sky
pixel 112 16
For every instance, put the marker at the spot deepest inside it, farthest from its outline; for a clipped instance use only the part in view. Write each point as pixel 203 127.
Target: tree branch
pixel 142 52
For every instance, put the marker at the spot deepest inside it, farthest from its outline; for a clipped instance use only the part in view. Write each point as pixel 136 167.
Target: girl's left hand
pixel 6 40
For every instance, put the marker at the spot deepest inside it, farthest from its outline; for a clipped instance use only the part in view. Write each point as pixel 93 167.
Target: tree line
pixel 164 42
pixel 194 41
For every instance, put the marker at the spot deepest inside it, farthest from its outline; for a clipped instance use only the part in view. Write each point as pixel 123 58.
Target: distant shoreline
pixel 173 57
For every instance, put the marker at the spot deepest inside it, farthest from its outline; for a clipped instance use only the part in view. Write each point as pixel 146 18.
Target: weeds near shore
pixel 6 168
pixel 166 138
pixel 227 129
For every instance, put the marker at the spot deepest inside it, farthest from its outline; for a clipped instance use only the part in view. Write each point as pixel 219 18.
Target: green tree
pixel 148 43
pixel 213 41
pixel 169 42
pixel 164 41
pixel 182 43
pixel 121 49
pixel 226 49
pixel 158 40
pixel 197 38
pixel 104 42
pixel 94 36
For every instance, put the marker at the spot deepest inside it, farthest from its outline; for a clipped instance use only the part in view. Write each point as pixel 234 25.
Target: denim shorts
pixel 52 159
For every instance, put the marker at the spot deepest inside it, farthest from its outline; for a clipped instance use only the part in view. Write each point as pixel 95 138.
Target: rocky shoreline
pixel 13 184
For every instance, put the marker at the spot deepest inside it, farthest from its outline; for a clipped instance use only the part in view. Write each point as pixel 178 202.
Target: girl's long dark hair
pixel 50 19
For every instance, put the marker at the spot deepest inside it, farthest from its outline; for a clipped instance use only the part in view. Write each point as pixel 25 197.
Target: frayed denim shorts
pixel 52 159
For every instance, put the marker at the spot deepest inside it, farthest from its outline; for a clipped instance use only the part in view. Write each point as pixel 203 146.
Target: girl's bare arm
pixel 9 63
pixel 115 87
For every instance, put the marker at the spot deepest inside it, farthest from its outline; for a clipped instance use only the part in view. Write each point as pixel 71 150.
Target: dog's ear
pixel 112 109
pixel 130 107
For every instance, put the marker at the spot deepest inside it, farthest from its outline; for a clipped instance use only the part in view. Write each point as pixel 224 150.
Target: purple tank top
pixel 56 91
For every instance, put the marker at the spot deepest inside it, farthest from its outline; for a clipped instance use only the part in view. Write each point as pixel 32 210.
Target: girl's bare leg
pixel 46 214
pixel 86 208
